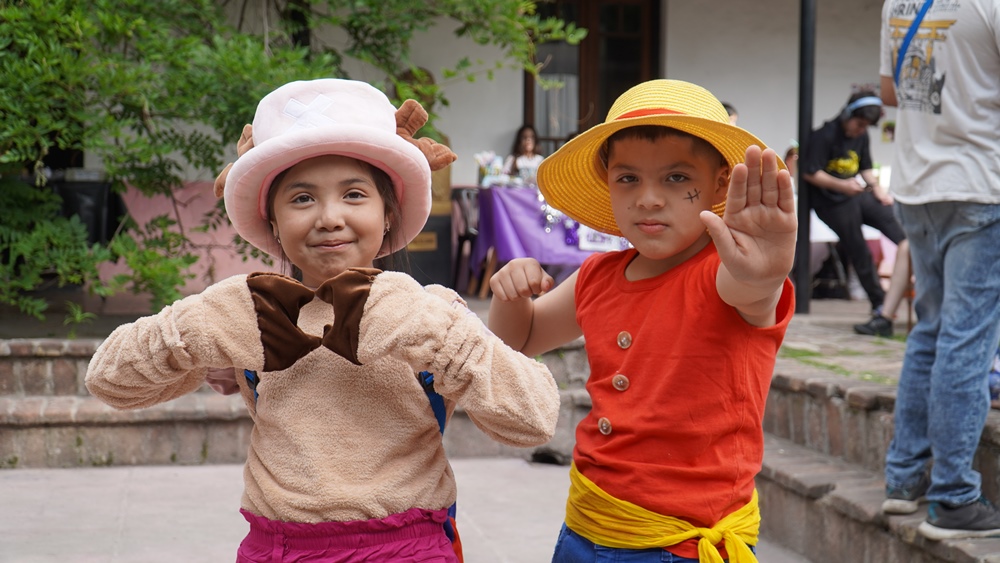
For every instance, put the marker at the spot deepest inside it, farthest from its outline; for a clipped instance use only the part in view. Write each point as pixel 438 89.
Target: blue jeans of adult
pixel 571 547
pixel 943 395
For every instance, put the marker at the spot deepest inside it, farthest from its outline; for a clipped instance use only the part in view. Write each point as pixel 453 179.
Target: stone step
pixel 820 487
pixel 47 418
pixel 851 419
pixel 829 510
pixel 202 427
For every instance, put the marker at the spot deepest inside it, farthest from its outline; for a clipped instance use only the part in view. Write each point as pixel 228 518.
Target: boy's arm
pixel 756 237
pixel 532 326
pixel 827 181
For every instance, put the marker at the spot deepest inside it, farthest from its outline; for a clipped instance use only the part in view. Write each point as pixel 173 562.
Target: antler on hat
pixel 410 117
pixel 242 146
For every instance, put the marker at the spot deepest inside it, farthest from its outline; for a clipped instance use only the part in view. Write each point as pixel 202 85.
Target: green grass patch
pixel 840 370
pixel 795 353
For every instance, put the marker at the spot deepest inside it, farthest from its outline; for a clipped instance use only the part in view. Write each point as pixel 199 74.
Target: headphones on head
pixel 845 113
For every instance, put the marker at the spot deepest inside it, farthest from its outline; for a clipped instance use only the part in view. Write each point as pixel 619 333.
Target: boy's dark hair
pixel 870 113
pixel 729 109
pixel 654 133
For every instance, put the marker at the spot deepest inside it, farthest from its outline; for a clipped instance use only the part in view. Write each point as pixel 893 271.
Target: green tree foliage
pixel 158 91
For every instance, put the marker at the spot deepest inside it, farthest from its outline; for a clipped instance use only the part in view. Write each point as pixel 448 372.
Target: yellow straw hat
pixel 575 181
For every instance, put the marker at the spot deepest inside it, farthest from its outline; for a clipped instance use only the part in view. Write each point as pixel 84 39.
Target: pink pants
pixel 415 535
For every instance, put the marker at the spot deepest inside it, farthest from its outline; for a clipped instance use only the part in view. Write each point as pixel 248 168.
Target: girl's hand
pixel 277 300
pixel 756 236
pixel 222 380
pixel 520 278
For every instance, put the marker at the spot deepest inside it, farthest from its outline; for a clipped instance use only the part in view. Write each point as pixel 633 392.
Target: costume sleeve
pixel 511 397
pixel 244 322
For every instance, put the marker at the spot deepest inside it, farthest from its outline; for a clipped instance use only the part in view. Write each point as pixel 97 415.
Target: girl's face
pixel 329 216
pixel 527 142
pixel 658 189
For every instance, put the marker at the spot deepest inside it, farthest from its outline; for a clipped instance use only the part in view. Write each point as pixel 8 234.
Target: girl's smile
pixel 329 216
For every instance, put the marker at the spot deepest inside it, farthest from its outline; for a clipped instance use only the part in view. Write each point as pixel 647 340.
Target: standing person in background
pixel 939 64
pixel 833 158
pixel 524 159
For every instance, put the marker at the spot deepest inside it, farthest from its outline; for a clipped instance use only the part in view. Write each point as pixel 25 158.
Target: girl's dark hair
pixel 654 133
pixel 872 114
pixel 516 149
pixel 398 260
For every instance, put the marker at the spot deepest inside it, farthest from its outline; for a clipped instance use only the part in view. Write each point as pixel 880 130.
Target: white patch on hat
pixel 309 116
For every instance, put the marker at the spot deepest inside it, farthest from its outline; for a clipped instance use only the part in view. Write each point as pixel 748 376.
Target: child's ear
pixel 722 183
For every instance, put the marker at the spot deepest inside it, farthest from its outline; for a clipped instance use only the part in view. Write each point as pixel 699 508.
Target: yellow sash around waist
pixel 608 521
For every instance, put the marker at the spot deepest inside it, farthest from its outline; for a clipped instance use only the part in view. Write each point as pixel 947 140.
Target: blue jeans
pixel 574 548
pixel 943 395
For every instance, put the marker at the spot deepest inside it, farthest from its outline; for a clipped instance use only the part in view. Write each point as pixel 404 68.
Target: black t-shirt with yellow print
pixel 829 150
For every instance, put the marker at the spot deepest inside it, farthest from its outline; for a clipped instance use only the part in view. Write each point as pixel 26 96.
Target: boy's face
pixel 658 189
pixel 856 126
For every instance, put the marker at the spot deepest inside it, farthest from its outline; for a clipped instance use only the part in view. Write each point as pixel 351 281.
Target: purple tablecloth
pixel 511 221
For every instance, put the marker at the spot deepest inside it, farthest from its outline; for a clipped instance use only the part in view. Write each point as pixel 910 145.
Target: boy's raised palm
pixel 756 236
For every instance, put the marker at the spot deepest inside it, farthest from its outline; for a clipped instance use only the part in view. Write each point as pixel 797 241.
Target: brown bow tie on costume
pixel 278 300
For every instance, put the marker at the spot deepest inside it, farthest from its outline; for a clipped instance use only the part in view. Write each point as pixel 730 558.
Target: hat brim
pixel 250 178
pixel 575 181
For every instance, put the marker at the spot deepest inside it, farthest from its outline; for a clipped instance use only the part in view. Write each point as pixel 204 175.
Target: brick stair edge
pixel 848 418
pixel 821 506
pixel 45 410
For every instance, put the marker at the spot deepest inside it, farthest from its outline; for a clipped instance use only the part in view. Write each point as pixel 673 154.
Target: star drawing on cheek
pixel 693 196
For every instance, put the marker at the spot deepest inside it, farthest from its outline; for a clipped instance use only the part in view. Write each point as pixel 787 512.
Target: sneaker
pixel 876 326
pixel 977 520
pixel 906 500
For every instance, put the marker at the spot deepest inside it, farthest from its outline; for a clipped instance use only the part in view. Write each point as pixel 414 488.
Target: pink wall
pixel 216 263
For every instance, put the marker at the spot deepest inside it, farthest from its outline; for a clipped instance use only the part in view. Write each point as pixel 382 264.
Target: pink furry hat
pixel 304 119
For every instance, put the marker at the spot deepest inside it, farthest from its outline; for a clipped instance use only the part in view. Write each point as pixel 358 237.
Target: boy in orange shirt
pixel 681 331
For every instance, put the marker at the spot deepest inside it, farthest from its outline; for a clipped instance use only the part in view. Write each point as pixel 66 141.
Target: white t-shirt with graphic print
pixel 948 120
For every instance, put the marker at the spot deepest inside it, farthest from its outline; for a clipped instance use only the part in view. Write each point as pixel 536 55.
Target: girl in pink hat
pixel 351 373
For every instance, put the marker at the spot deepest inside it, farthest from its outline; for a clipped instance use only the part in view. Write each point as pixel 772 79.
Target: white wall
pixel 747 54
pixel 482 115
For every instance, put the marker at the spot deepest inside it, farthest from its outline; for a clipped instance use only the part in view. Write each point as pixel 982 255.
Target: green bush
pixel 38 246
pixel 158 91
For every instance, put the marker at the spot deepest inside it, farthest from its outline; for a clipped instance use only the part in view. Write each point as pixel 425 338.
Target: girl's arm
pixel 511 397
pixel 246 322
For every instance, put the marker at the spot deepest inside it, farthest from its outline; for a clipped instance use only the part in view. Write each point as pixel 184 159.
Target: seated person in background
pixel 734 115
pixel 792 163
pixel 524 159
pixel 831 160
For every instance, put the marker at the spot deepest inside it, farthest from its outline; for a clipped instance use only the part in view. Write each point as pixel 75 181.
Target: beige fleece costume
pixel 333 440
